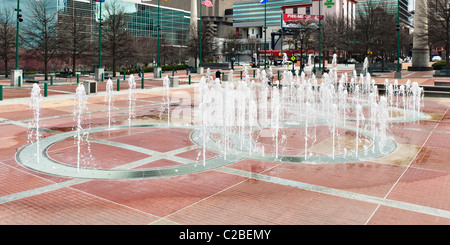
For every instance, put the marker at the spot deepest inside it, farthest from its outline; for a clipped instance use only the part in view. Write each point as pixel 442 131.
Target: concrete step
pixel 436 88
pixel 442 83
pixel 429 90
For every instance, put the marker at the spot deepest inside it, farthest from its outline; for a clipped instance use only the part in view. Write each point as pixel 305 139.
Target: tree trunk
pixel 73 63
pixel 6 68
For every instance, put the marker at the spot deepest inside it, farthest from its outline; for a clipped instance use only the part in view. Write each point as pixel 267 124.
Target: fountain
pixel 131 98
pixel 80 108
pixel 35 105
pixel 338 104
pixel 109 99
pixel 337 120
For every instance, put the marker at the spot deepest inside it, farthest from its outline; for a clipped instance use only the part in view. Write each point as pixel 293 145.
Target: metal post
pixel 118 84
pixel 20 82
pixel 200 35
pixel 189 79
pixel 265 34
pixel 51 80
pixel 142 82
pixel 45 89
pixel 78 78
pixel 1 92
pixel 398 36
pixel 320 37
pixel 159 28
pixel 17 35
pixel 100 38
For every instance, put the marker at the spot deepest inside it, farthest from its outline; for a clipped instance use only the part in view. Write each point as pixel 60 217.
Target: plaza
pixel 410 185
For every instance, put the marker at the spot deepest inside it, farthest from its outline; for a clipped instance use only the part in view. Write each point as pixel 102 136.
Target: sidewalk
pixel 68 86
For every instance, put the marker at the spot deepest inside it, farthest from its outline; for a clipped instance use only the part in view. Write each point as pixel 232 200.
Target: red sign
pixel 301 21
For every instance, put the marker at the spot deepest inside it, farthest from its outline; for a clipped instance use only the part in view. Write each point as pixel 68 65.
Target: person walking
pixel 218 73
pixel 140 70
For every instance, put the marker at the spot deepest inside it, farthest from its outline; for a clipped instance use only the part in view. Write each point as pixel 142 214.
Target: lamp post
pixel 159 31
pixel 99 70
pixel 398 73
pixel 265 34
pixel 200 37
pixel 16 74
pixel 100 37
pixel 319 72
pixel 156 71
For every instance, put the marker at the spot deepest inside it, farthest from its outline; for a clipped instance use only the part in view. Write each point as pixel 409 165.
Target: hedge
pixel 150 69
pixel 439 65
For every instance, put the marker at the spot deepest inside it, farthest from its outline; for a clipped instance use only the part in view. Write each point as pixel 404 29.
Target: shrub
pixel 439 65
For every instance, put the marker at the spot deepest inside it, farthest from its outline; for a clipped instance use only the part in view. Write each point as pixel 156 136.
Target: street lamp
pixel 319 72
pixel 158 29
pixel 200 37
pixel 398 73
pixel 265 34
pixel 16 74
pixel 99 70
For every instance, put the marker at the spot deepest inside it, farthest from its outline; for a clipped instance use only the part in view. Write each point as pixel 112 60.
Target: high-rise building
pixel 250 17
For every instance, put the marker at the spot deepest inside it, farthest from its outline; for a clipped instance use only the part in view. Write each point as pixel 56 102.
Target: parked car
pixel 352 61
pixel 436 58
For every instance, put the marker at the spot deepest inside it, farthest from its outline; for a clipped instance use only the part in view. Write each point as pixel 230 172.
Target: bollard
pixel 19 82
pixel 173 72
pixel 45 89
pixel 103 77
pixel 1 92
pixel 279 75
pixel 142 82
pixel 241 75
pixel 254 73
pixel 118 84
pixel 124 78
pixel 78 78
pixel 189 79
pixel 51 79
pixel 160 73
pixel 187 71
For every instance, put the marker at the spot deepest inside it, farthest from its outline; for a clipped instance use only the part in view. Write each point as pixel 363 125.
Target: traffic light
pixel 19 18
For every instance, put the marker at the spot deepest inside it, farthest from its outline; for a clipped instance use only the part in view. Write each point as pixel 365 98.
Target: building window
pixel 308 10
pixel 295 10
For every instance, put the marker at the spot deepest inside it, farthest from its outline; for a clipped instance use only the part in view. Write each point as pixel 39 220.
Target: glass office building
pixel 142 17
pixel 390 6
pixel 251 13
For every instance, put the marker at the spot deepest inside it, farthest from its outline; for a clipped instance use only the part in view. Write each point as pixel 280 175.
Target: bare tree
pixel 39 35
pixel 7 37
pixel 73 31
pixel 375 29
pixel 439 25
pixel 207 48
pixel 118 41
pixel 147 50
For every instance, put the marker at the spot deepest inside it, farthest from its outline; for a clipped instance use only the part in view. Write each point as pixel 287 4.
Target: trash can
pixel 90 86
pixel 173 81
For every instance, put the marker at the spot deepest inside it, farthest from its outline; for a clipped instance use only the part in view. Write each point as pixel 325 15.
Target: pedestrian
pixel 218 74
